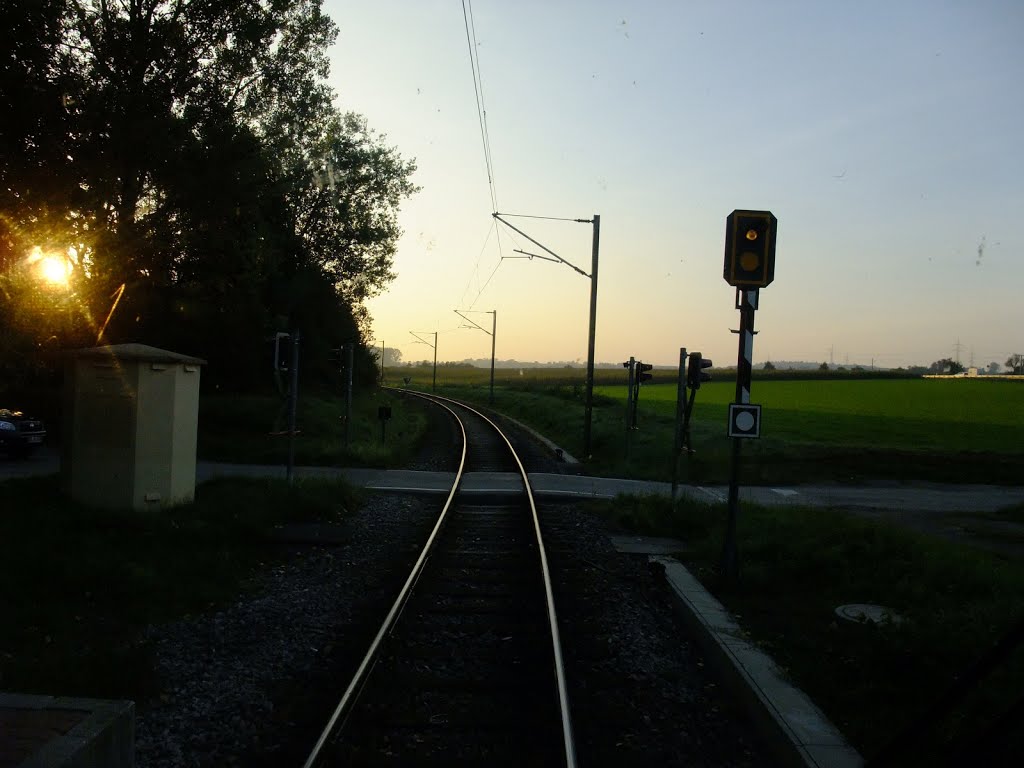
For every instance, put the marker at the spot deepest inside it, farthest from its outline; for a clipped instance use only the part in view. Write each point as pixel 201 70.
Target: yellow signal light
pixel 749 261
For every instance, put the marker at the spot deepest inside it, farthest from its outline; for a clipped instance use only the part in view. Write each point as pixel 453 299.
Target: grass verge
pixel 253 429
pixel 1014 513
pixel 798 565
pixel 79 584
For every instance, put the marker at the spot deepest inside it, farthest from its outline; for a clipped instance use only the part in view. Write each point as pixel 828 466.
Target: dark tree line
pixel 190 156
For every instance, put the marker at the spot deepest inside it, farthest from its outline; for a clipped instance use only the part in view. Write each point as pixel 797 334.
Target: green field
pixel 845 429
pixel 945 414
pixel 462 376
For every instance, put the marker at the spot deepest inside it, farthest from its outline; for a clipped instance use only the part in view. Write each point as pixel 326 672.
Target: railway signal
pixel 384 414
pixel 630 418
pixel 750 249
pixel 637 376
pixel 282 356
pixel 749 266
pixel 695 370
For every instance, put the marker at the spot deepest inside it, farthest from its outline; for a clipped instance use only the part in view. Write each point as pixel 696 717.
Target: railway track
pixel 466 668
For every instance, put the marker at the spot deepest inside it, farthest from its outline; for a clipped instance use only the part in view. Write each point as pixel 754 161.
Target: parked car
pixel 20 434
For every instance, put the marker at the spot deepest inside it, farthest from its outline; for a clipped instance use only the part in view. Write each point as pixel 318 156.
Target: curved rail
pixel 348 697
pixel 563 694
pixel 351 692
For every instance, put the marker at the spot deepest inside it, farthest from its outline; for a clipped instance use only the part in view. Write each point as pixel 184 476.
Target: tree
pixel 34 178
pixel 174 146
pixel 823 367
pixel 994 367
pixel 946 366
pixel 769 366
pixel 1016 363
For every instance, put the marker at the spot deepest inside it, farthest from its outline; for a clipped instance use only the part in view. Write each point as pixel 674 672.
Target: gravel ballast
pixel 252 684
pixel 221 672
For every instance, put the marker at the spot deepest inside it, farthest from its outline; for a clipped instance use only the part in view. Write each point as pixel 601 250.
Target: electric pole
pixel 493 333
pixel 595 249
pixel 421 340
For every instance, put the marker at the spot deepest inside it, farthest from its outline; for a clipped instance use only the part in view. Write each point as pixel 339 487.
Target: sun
pixel 53 269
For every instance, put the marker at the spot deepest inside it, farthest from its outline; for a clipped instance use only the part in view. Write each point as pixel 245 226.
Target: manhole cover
pixel 864 613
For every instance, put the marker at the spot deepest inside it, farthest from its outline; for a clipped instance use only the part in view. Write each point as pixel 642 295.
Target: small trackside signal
pixel 744 420
pixel 695 370
pixel 641 372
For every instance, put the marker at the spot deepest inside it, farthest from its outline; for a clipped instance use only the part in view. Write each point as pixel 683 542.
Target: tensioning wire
pixel 549 218
pixel 488 282
pixel 476 265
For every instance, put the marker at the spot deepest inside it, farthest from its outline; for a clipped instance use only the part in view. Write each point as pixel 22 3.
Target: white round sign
pixel 744 421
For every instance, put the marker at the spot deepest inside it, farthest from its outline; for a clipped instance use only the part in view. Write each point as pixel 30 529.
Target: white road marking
pixel 713 494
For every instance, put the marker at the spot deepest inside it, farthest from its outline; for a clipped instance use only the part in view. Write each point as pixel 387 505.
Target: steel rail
pixel 348 698
pixel 563 694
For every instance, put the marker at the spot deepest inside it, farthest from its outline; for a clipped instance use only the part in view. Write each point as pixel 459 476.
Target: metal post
pixel 629 410
pixel 677 444
pixel 636 389
pixel 293 400
pixel 348 398
pixel 494 336
pixel 433 384
pixel 588 416
pixel 589 397
pixel 629 396
pixel 747 304
pixel 382 363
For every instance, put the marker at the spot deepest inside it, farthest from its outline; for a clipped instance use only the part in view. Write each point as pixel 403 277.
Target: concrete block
pixel 59 732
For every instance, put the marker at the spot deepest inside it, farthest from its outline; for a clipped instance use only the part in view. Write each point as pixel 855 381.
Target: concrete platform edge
pixel 790 724
pixel 104 739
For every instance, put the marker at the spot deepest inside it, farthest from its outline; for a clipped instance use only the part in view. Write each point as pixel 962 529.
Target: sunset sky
pixel 884 136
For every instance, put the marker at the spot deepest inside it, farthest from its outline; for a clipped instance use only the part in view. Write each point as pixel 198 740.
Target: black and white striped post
pixel 746 303
pixel 749 265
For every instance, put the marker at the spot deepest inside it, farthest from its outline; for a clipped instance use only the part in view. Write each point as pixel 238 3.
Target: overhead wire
pixel 478 92
pixel 485 139
pixel 483 107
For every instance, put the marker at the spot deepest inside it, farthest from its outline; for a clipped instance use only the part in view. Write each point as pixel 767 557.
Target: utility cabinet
pixel 130 418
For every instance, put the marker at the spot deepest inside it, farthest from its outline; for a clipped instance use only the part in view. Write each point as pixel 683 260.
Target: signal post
pixel 749 266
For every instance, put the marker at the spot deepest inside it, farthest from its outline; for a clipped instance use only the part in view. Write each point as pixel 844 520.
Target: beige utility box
pixel 130 418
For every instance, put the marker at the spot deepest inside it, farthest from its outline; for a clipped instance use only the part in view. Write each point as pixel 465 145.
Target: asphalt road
pixel 962 513
pixel 895 499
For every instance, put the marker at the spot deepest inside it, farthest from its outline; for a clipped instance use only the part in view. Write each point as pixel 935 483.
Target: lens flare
pixel 54 270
